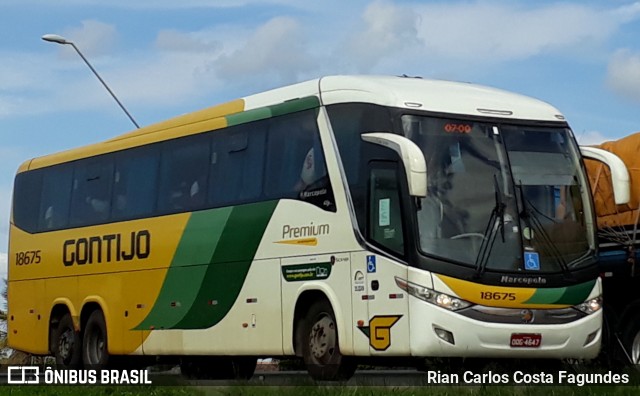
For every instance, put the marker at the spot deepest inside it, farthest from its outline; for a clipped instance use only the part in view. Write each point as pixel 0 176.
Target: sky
pixel 164 58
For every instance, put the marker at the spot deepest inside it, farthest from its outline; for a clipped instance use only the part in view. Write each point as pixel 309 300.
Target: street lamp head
pixel 54 38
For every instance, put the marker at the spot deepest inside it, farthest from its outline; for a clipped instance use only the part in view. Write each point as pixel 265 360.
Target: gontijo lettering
pixel 107 248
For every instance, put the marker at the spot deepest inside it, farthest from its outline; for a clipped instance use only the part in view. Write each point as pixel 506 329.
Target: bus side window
pixel 385 217
pixel 296 167
pixel 26 199
pixel 91 192
pixel 237 164
pixel 184 174
pixel 135 183
pixel 56 194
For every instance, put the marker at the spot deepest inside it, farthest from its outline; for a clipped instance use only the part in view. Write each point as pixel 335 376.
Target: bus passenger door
pixel 388 322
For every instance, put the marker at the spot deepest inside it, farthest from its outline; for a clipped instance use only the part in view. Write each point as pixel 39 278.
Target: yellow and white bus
pixel 335 219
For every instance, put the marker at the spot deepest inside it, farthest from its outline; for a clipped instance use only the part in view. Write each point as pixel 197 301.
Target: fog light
pixel 444 335
pixel 591 337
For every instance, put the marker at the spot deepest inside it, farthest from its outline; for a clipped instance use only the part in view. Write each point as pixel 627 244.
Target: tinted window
pixel 237 164
pixel 280 157
pixel 91 193
pixel 184 176
pixel 294 154
pixel 56 197
pixel 385 223
pixel 348 122
pixel 134 184
pixel 26 197
pixel 295 163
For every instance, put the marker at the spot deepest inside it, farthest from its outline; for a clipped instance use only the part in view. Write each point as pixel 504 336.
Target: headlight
pixel 590 306
pixel 431 296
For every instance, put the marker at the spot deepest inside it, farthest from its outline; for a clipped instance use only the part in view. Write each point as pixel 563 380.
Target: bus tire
pixel 320 346
pixel 631 339
pixel 95 353
pixel 67 344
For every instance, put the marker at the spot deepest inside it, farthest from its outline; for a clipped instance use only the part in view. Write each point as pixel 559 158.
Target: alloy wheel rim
pixel 322 340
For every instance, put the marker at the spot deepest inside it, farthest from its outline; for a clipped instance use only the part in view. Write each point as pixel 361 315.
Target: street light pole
pixel 54 38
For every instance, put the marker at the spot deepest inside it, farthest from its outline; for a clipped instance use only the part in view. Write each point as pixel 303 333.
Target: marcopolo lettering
pixel 107 248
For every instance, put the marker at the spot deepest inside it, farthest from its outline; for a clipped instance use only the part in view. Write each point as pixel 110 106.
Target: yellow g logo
pixel 379 331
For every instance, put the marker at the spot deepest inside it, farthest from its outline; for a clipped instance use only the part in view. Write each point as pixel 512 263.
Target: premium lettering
pixel 304 231
pixel 107 248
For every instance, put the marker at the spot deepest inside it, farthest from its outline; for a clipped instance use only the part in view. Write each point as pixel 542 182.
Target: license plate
pixel 526 340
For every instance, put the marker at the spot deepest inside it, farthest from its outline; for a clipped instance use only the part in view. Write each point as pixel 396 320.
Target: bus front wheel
pixel 320 347
pixel 94 342
pixel 631 339
pixel 67 344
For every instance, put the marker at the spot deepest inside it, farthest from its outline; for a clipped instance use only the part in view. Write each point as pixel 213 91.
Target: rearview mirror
pixel 619 172
pixel 413 160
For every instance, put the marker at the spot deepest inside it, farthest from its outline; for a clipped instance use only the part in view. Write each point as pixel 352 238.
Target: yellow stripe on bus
pixel 494 296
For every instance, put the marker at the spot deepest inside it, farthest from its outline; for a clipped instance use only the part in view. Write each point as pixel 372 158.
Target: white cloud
pixel 386 31
pixel 489 31
pixel 589 138
pixel 173 40
pixel 623 74
pixel 277 50
pixel 93 38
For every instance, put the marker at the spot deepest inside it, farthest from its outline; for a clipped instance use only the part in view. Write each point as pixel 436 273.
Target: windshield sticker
pixel 531 261
pixel 383 212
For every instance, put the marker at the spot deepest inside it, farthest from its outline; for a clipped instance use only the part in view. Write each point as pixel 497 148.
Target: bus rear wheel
pixel 67 344
pixel 320 346
pixel 94 342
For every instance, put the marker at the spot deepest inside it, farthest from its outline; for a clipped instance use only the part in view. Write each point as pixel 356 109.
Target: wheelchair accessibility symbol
pixel 531 261
pixel 371 264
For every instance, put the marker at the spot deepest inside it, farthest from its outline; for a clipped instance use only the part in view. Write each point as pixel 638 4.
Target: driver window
pixel 385 216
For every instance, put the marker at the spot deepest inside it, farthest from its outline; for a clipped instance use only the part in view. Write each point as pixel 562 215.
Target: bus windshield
pixel 501 198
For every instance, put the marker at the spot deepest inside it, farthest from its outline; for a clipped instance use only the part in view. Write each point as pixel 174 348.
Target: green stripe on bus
pixel 571 295
pixel 209 267
pixel 306 103
pixel 189 265
pixel 229 266
pixel 292 106
pixel 248 116
pixel 201 236
pixel 546 296
pixel 577 294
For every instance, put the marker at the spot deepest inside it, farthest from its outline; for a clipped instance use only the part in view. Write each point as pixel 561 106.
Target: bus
pixel 337 220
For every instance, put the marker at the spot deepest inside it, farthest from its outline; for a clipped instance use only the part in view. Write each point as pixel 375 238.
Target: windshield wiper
pixel 530 216
pixel 496 222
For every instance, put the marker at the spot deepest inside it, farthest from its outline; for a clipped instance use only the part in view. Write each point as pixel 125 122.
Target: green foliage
pixel 84 390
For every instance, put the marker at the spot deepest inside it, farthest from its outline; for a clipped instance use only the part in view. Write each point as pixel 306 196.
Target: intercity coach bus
pixel 337 219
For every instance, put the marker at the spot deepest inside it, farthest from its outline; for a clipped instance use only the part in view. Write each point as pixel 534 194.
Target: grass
pixel 240 390
pixel 97 390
